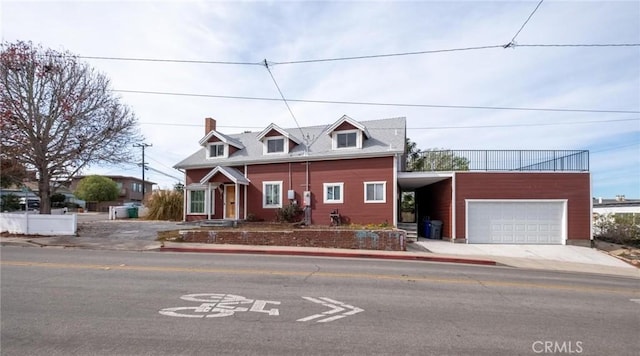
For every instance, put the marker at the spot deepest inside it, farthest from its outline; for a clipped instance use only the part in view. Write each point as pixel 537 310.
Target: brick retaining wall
pixel 389 240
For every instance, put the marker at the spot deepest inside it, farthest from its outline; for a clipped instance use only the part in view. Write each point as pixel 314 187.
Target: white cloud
pixel 584 78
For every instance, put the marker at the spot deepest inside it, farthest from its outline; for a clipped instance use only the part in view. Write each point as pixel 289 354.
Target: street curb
pixel 336 254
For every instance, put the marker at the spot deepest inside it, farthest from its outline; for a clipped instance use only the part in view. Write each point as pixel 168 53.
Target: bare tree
pixel 58 115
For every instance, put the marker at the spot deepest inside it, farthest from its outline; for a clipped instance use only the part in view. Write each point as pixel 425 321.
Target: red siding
pixel 195 175
pixel 575 187
pixel 345 126
pixel 351 172
pixel 434 201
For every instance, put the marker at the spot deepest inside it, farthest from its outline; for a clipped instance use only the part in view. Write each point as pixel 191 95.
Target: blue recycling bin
pixel 427 228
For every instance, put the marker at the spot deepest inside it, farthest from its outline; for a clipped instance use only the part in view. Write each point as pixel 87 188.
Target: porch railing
pixel 500 160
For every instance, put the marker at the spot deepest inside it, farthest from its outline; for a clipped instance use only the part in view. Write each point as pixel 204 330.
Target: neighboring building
pixel 357 168
pixel 619 205
pixel 130 191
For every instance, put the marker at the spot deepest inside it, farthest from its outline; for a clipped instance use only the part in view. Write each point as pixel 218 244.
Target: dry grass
pixel 165 205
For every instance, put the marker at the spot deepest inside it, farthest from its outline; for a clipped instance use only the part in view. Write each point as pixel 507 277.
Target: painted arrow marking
pixel 336 307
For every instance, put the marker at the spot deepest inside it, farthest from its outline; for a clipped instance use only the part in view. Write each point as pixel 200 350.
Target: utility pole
pixel 143 146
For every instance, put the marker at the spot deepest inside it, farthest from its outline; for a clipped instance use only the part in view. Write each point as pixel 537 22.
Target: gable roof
pixel 233 174
pixel 222 137
pixel 386 137
pixel 351 122
pixel 277 128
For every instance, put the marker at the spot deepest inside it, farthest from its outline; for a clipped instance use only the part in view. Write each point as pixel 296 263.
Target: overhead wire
pixel 429 127
pixel 513 39
pixel 436 106
pixel 348 58
pixel 266 65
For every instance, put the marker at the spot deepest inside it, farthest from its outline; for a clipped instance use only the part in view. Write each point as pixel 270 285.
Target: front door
pixel 229 201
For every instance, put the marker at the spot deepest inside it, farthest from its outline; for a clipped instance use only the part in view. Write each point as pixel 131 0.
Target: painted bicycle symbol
pixel 215 305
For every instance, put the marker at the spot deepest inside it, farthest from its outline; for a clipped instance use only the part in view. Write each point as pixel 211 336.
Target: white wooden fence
pixel 36 224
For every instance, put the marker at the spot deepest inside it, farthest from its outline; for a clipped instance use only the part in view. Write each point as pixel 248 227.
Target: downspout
pixel 207 201
pixel 453 207
pixel 395 190
pixel 590 214
pixel 184 200
pixel 246 189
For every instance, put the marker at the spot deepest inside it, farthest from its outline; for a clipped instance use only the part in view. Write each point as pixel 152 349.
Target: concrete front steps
pixel 410 228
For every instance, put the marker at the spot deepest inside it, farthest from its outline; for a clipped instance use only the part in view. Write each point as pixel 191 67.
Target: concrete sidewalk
pixel 554 258
pixel 547 257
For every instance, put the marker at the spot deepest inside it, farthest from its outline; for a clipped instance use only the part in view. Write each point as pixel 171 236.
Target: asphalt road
pixel 85 302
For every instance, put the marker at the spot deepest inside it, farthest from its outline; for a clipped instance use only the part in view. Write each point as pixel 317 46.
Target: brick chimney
pixel 209 125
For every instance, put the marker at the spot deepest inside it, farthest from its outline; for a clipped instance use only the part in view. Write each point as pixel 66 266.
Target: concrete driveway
pixel 98 225
pixel 535 253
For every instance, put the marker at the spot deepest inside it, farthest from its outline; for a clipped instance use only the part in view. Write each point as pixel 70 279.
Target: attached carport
pixel 433 198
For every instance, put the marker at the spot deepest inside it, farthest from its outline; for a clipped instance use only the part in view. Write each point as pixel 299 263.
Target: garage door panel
pixel 509 221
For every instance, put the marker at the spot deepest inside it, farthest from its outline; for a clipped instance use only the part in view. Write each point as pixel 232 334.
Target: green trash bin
pixel 132 212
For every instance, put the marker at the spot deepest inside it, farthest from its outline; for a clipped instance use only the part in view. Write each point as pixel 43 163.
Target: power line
pixel 472 107
pixel 168 60
pixel 511 44
pixel 513 40
pixel 144 167
pixel 580 45
pixel 387 55
pixel 266 65
pixel 430 127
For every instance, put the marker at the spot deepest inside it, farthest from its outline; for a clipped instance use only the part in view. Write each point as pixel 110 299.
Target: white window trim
pixel 333 201
pixel 204 210
pixel 217 143
pixel 334 139
pixel 384 193
pixel 265 145
pixel 264 195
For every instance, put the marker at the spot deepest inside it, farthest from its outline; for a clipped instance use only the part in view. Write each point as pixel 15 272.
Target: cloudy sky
pixel 594 91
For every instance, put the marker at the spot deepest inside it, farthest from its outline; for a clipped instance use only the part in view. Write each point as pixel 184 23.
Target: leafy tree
pixel 433 159
pixel 97 188
pixel 58 115
pixel 11 171
pixel 57 200
pixel 10 202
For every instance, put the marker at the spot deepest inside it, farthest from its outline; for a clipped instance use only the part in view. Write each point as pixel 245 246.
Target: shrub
pixel 290 213
pixel 10 202
pixel 618 228
pixel 165 205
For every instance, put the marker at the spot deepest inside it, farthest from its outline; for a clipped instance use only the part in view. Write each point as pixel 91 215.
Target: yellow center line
pixel 467 281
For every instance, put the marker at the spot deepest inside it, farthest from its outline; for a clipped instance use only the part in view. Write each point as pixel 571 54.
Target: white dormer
pixel 276 140
pixel 346 133
pixel 219 145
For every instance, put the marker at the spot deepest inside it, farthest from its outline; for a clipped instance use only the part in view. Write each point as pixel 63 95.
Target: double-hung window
pixel 275 145
pixel 346 139
pixel 272 194
pixel 196 201
pixel 333 193
pixel 216 150
pixel 375 192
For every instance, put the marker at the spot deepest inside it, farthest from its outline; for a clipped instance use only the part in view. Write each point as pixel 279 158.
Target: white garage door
pixel 516 221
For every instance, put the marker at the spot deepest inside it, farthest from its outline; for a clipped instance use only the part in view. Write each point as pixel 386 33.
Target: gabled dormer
pixel 218 145
pixel 276 140
pixel 347 133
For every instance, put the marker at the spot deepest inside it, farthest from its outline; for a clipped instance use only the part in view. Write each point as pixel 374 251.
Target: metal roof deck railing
pixel 500 160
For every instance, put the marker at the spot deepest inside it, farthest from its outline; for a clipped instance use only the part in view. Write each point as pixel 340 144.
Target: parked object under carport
pixel 436 230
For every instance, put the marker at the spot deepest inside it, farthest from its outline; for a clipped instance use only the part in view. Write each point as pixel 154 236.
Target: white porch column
pixel 207 201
